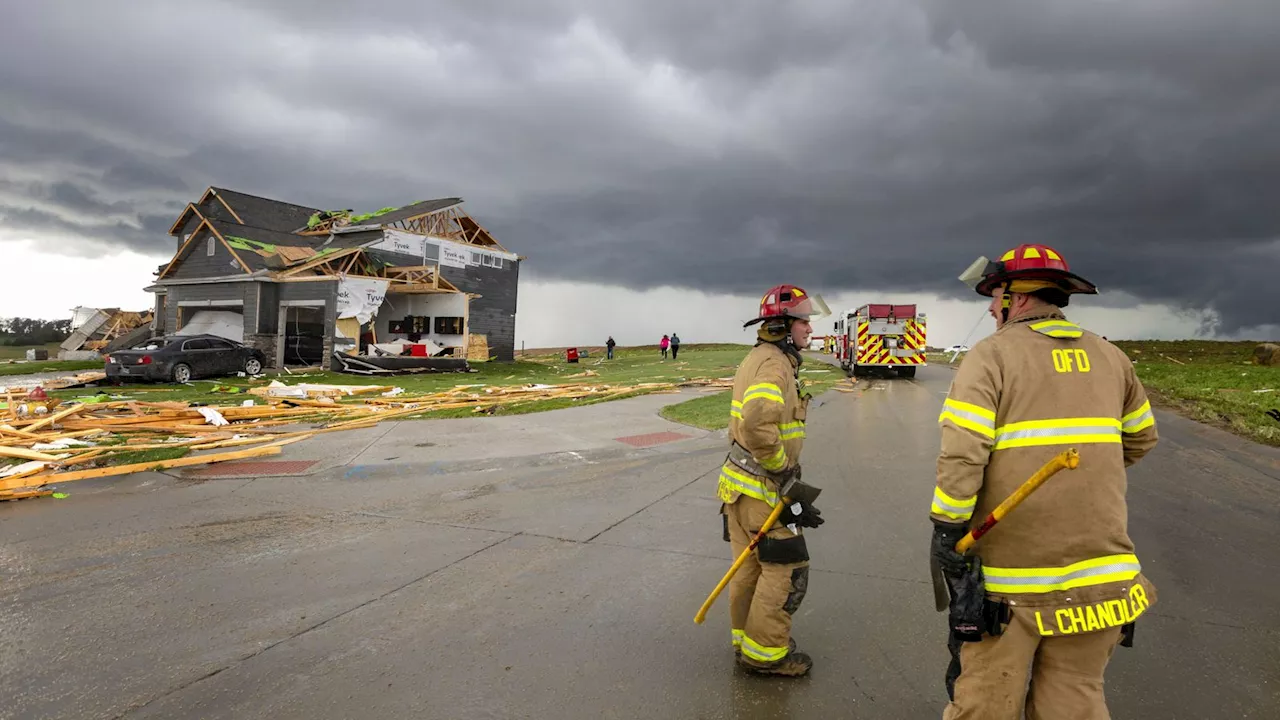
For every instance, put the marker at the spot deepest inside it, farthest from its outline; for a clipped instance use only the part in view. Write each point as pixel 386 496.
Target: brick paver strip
pixel 267 467
pixel 651 439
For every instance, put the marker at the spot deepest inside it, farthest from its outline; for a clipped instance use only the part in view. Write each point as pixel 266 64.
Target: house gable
pixel 206 254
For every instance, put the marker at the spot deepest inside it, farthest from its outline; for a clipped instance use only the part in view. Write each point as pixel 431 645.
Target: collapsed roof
pixel 278 238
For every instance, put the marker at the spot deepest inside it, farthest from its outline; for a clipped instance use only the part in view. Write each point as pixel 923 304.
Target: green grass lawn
pixel 1212 382
pixel 629 367
pixel 8 369
pixel 19 352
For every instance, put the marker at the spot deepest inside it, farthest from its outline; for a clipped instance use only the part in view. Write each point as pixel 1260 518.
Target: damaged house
pixel 423 285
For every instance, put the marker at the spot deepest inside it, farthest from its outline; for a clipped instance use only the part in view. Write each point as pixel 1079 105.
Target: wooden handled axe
pixel 1065 460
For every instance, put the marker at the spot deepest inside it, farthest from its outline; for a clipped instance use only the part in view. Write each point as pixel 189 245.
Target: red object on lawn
pixel 571 355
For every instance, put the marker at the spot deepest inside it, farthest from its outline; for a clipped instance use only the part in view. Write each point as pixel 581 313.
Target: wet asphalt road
pixel 566 588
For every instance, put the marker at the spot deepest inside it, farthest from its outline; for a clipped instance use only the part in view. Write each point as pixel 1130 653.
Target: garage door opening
pixel 225 322
pixel 303 335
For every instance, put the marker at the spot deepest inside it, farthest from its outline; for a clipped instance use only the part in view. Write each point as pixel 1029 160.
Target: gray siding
pixel 171 310
pixel 197 263
pixel 492 314
pixel 189 227
pixel 160 318
pixel 250 295
pixel 323 290
pixel 212 291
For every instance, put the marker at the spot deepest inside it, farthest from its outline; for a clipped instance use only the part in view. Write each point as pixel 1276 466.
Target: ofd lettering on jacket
pixel 1071 360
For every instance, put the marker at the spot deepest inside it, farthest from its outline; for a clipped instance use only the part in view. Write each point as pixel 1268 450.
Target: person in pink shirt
pixel 664 344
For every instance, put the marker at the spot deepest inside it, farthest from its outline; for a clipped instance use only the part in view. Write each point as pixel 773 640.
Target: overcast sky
pixel 672 159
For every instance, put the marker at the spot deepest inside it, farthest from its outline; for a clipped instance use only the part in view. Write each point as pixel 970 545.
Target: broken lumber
pixel 25 454
pixel 36 481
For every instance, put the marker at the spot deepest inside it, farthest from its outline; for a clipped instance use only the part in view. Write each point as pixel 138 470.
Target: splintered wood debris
pixel 79 441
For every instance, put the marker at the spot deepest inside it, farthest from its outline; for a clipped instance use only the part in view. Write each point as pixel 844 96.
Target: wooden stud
pixel 55 417
pixel 42 480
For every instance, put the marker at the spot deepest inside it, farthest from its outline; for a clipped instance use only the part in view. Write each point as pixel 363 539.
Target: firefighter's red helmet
pixel 1026 263
pixel 789 301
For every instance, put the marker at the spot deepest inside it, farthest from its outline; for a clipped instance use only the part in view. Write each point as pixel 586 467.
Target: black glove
pixel 943 547
pixel 809 516
pixel 784 476
pixel 967 617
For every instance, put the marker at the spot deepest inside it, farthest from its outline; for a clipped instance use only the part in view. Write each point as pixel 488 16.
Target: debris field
pixel 54 442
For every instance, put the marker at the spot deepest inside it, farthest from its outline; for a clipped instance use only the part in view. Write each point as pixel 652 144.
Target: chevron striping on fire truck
pixel 881 335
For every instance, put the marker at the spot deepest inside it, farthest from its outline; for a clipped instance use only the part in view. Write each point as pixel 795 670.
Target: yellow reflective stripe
pixel 971 409
pixel 1059 431
pixel 735 409
pixel 731 480
pixel 1138 420
pixel 1097 571
pixel 969 416
pixel 763 391
pixel 737 637
pixel 1058 329
pixel 776 461
pixel 791 430
pixel 944 504
pixel 762 653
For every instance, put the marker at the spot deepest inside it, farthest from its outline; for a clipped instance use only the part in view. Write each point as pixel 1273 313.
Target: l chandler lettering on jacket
pixel 1098 616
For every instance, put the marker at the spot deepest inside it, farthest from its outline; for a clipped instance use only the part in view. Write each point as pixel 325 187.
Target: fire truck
pixel 881 335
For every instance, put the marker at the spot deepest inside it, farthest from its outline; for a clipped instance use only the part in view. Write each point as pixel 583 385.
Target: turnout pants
pixel 1066 674
pixel 769 586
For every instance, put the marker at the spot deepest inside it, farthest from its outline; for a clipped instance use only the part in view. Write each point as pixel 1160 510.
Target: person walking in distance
pixel 675 346
pixel 1041 601
pixel 609 345
pixel 663 344
pixel 766 431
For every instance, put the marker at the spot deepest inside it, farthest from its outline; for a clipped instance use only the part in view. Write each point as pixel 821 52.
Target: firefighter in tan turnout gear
pixel 1057 584
pixel 766 429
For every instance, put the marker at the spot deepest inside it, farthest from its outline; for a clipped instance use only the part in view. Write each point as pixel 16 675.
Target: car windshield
pixel 152 344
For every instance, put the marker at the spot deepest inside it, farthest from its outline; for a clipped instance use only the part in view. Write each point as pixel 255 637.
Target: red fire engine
pixel 881 335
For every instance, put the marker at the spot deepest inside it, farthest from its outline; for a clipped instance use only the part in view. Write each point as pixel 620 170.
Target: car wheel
pixel 182 373
pixel 252 366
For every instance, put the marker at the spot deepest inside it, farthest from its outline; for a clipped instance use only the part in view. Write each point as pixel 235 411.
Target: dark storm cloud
pixel 719 145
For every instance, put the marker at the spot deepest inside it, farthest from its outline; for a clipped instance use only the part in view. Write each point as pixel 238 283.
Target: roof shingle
pixel 266 213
